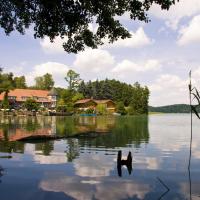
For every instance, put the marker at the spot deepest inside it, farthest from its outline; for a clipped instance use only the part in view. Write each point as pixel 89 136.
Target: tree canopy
pixel 73 79
pixel 20 82
pixel 44 82
pixel 134 97
pixel 71 19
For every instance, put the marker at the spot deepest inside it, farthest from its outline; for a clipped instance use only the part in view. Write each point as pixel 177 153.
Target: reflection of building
pixel 21 134
pixel 85 104
pixel 45 98
pixel 1 135
pixel 95 124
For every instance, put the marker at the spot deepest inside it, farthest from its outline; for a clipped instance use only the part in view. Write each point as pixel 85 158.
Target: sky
pixel 160 54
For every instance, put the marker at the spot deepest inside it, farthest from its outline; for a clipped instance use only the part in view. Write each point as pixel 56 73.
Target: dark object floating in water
pixel 8 157
pixel 127 162
pixel 39 137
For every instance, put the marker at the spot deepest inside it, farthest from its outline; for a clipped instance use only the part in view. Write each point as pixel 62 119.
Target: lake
pixel 81 161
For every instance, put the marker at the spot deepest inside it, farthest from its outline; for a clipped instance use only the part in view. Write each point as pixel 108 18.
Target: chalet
pixel 45 98
pixel 85 104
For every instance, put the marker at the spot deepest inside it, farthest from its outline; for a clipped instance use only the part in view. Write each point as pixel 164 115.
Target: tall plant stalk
pixel 190 95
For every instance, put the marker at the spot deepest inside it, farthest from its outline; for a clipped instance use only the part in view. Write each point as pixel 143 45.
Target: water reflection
pixel 90 131
pixel 1 173
pixel 80 160
pixel 99 188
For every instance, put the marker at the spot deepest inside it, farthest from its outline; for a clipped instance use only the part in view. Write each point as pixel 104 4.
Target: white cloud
pixel 191 33
pixel 95 60
pixel 58 158
pixel 138 39
pixel 168 89
pixel 93 166
pixel 183 8
pixel 58 71
pixel 127 66
pixel 77 189
pixel 55 47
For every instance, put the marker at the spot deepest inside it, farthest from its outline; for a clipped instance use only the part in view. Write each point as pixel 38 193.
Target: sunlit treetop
pixel 71 19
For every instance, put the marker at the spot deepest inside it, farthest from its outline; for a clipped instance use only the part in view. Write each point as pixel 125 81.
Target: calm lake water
pixel 83 166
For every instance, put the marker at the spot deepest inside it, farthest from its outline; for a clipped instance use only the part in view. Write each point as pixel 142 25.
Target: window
pixel 12 97
pixel 25 98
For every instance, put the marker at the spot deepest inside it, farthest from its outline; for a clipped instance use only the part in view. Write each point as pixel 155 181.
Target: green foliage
pixel 101 109
pixel 6 81
pixel 71 19
pixel 20 82
pixel 44 82
pixel 121 109
pixel 77 96
pixel 139 100
pixel 64 106
pixel 73 80
pixel 31 104
pixel 90 111
pixel 134 96
pixel 31 125
pixel 177 108
pixel 5 102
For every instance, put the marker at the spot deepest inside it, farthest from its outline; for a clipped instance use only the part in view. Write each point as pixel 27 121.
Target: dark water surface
pixel 83 166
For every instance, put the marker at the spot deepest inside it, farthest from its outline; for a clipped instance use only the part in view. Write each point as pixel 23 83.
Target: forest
pixel 129 98
pixel 176 108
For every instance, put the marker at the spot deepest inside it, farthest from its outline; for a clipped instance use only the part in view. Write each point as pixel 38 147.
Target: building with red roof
pixel 45 98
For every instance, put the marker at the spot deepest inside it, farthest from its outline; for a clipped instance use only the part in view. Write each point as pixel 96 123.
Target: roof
pixel 103 101
pixel 42 95
pixel 82 101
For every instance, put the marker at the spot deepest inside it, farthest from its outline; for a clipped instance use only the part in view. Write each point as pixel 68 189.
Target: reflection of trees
pixel 108 131
pixel 65 126
pixel 1 172
pixel 31 124
pixel 72 149
pixel 127 130
pixel 69 126
pixel 9 147
pixel 45 147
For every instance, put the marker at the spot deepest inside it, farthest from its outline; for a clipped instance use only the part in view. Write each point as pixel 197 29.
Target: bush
pixel 90 111
pixel 121 109
pixel 65 108
pixel 31 104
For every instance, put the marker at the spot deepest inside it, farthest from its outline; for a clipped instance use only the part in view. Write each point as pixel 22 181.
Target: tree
pixel 44 82
pixel 139 100
pixel 31 104
pixel 73 80
pixel 6 84
pixel 121 109
pixel 71 19
pixel 20 82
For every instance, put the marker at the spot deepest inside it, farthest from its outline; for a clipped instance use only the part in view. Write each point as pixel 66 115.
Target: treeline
pixel 131 99
pixel 134 97
pixel 8 81
pixel 177 108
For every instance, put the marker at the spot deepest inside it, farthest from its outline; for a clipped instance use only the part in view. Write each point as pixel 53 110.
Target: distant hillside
pixel 176 108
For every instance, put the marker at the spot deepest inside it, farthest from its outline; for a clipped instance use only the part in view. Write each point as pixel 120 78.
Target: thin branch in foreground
pixel 167 188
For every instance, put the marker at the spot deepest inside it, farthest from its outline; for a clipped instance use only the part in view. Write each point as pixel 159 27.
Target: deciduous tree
pixel 71 19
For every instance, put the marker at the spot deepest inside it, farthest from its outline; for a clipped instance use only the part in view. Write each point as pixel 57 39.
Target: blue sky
pixel 159 54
